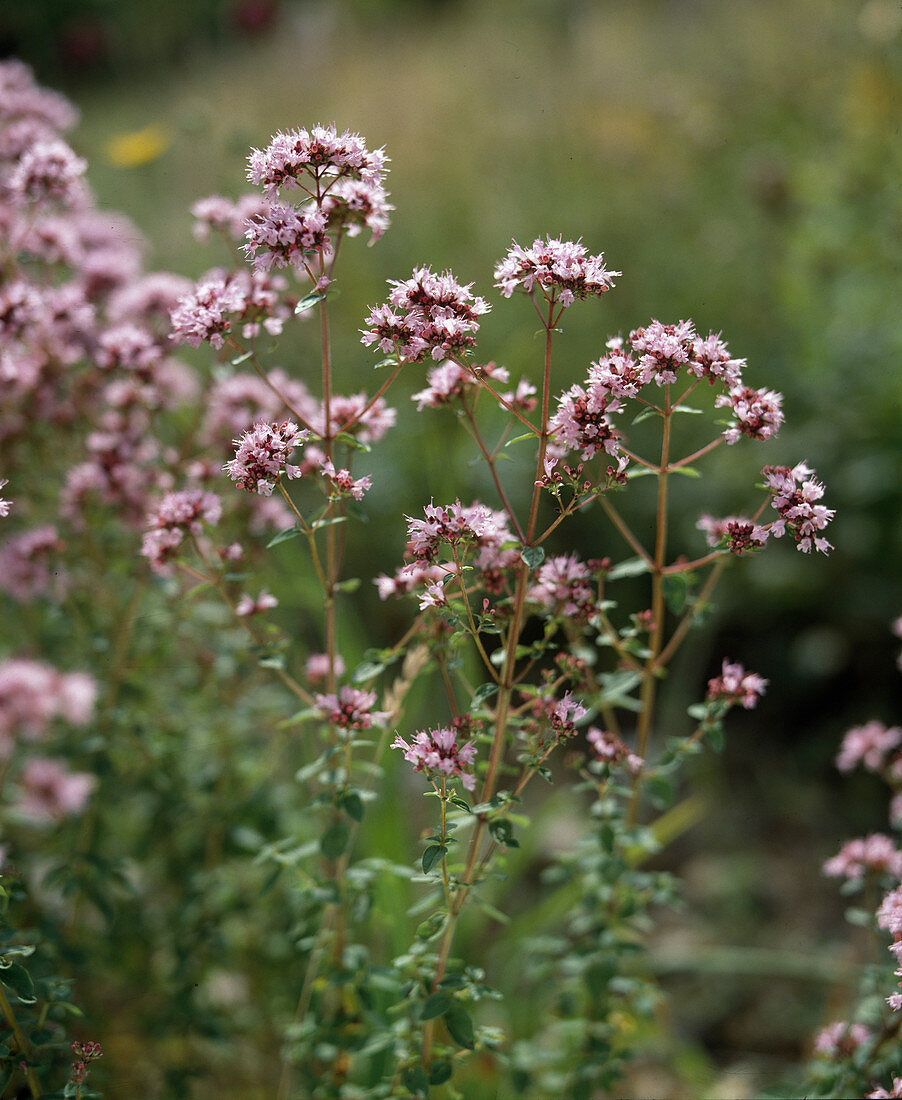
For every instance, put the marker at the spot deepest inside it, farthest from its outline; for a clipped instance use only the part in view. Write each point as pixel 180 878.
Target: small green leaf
pixel 520 438
pixel 352 804
pixel 714 737
pixel 459 1023
pixel 239 359
pixel 440 1072
pixel 17 978
pixel 675 587
pixel 483 692
pixel 309 301
pixel 283 536
pixel 335 839
pixel 416 1081
pixel 350 585
pixel 686 471
pixel 698 711
pixel 390 361
pixel 632 567
pixel 437 1004
pixel 533 556
pixel 432 855
pixel 272 660
pixel 686 409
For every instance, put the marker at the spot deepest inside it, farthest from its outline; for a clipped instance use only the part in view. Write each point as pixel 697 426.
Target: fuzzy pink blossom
pixel 317 667
pixel 351 709
pixel 33 694
pixel 875 853
pixel 49 792
pixel 564 715
pixel 433 595
pixel 450 524
pixel 262 456
pixel 284 235
pixel 794 493
pixel 735 685
pixel 610 750
pixel 355 205
pixel 562 270
pixel 408 579
pixel 841 1039
pixel 870 745
pixel 176 515
pixel 582 421
pixel 738 534
pixel 250 605
pixel 427 313
pixel 564 584
pixel 355 414
pixel 343 485
pixel 206 313
pixel 758 413
pixel 437 753
pixel 224 216
pixel 663 350
pixel 449 381
pixel 711 359
pixel 26 561
pixel 321 153
pixel 48 172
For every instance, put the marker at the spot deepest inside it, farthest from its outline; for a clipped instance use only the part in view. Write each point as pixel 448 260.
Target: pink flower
pixel 794 493
pixel 354 205
pixel 206 313
pixel 317 667
pixel 48 171
pixel 224 216
pixel 610 750
pixel 33 694
pixel 452 524
pixel 449 380
pixel 562 270
pixel 343 485
pixel 663 350
pixel 564 715
pixel 29 564
pixel 248 605
pixel 437 753
pixel 711 359
pixel 735 685
pixel 870 745
pixel 351 709
pixel 564 584
pixel 49 792
pixel 758 413
pixel 841 1039
pixel 875 853
pixel 320 153
pixel 737 534
pixel 284 235
pixel 176 515
pixel 262 456
pixel 425 313
pixel 583 421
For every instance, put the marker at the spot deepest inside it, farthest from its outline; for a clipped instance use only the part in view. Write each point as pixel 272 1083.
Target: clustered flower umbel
pixel 177 515
pixel 794 497
pixel 262 456
pixel 351 709
pixel 427 314
pixel 736 686
pixel 437 753
pixel 876 853
pixel 562 270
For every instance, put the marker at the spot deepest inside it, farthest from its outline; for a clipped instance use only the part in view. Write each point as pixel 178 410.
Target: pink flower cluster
pixel 177 515
pixel 343 485
pixel 871 745
pixel 450 381
pixel 876 853
pixel 320 153
pixel 28 564
pixel 610 750
pixel 564 715
pixel 841 1039
pixel 425 314
pixel 880 1093
pixel 221 302
pixel 794 495
pixel 33 695
pixel 450 524
pixel 317 667
pixel 582 421
pixel 283 235
pixel 229 218
pixel 736 686
pixel 758 413
pixel 437 753
pixel 565 585
pixel 48 791
pixel 351 709
pixel 736 533
pixel 254 605
pixel 562 270
pixel 262 456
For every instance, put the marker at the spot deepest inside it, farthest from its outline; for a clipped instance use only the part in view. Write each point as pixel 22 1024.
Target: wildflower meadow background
pixel 399 694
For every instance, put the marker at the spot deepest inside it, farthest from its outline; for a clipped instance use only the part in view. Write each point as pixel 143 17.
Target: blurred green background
pixel 740 164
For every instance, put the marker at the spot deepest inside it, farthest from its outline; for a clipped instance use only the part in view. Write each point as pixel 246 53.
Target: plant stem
pixel 23 1043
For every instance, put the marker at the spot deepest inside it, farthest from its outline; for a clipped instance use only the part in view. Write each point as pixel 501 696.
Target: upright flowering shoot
pixel 263 454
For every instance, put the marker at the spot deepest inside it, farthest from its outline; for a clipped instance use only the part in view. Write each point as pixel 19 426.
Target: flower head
pixel 735 685
pixel 562 270
pixel 262 456
pixel 321 153
pixel 610 750
pixel 436 752
pixel 351 709
pixel 875 853
pixel 870 745
pixel 794 493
